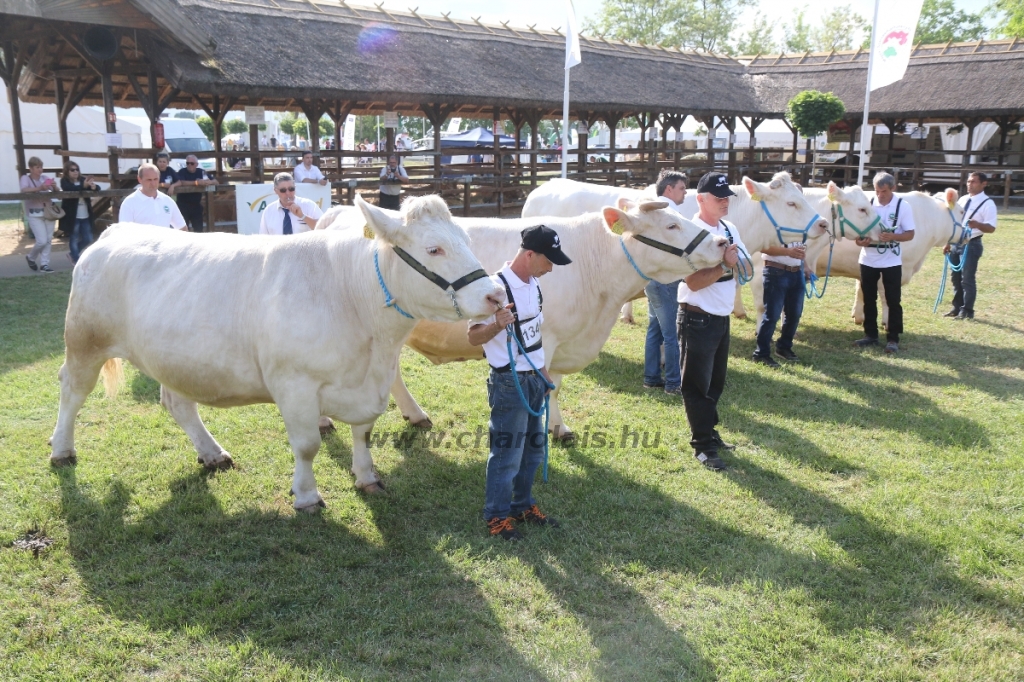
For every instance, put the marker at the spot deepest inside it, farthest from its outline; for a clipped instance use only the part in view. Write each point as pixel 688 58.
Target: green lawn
pixel 869 528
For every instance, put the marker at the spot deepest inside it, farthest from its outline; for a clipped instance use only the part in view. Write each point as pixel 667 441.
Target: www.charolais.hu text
pixel 625 437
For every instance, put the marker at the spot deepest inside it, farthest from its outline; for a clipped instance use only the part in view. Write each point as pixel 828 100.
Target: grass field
pixel 869 528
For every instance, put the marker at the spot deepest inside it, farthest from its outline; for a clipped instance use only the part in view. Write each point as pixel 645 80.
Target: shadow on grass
pixel 32 319
pixel 305 589
pixel 145 389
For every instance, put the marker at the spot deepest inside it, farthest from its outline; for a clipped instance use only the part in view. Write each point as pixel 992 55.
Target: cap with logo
pixel 715 184
pixel 543 240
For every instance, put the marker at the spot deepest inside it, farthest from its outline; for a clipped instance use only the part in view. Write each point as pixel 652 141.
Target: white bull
pixel 228 320
pixel 937 218
pixel 581 300
pixel 568 198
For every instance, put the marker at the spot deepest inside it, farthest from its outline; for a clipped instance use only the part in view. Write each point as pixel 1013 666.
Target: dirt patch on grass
pixel 33 541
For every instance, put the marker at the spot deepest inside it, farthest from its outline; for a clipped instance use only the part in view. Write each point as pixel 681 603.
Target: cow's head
pixel 947 200
pixel 852 213
pixel 650 226
pixel 424 231
pixel 785 203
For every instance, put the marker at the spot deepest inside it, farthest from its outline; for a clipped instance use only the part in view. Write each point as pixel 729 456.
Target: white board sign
pixel 390 119
pixel 255 116
pixel 114 140
pixel 251 200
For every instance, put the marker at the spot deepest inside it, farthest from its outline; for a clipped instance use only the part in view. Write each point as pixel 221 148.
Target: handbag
pixel 52 211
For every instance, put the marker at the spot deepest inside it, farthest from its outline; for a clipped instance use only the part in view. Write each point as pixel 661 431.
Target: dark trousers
pixel 783 293
pixel 390 201
pixel 965 286
pixel 892 280
pixel 704 359
pixel 193 215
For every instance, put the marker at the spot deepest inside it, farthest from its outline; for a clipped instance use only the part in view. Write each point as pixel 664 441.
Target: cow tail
pixel 113 376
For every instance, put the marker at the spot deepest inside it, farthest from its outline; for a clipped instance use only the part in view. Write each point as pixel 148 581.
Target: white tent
pixel 86 130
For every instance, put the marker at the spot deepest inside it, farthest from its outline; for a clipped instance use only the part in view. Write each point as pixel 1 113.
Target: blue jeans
pixel 81 237
pixel 783 293
pixel 965 286
pixel 662 309
pixel 517 444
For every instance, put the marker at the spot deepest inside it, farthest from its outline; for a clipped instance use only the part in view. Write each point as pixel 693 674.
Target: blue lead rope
pixel 389 300
pixel 947 265
pixel 510 334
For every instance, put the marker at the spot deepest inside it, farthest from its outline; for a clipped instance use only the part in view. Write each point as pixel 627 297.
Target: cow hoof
pixel 564 437
pixel 627 320
pixel 424 423
pixel 219 465
pixel 327 430
pixel 374 488
pixel 313 508
pixel 64 460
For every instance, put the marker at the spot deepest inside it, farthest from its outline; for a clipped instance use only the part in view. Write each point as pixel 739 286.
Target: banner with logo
pixel 894 41
pixel 251 200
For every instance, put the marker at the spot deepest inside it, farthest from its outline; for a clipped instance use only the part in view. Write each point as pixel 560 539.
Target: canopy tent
pixel 479 138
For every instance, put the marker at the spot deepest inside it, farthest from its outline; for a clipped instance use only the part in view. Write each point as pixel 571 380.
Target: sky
pixel 547 14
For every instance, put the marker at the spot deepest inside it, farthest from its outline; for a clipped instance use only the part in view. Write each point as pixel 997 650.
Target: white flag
pixel 572 38
pixel 893 40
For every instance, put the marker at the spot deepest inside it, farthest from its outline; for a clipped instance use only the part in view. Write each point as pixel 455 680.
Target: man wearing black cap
pixel 516 430
pixel 705 302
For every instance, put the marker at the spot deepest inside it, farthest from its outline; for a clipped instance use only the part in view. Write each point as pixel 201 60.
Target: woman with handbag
pixel 77 220
pixel 38 212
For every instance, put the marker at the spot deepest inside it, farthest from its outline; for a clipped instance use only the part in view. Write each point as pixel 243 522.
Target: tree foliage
pixel 759 39
pixel 811 112
pixel 839 30
pixel 941 22
pixel 798 34
pixel 704 25
pixel 234 126
pixel 1011 18
pixel 206 125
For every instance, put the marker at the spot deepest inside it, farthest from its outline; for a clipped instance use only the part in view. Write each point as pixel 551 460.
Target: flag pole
pixel 565 126
pixel 865 147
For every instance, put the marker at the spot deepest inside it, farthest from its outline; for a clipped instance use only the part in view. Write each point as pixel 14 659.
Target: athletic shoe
pixel 536 517
pixel 678 390
pixel 769 361
pixel 504 529
pixel 865 342
pixel 787 355
pixel 710 460
pixel 45 268
pixel 892 347
pixel 31 263
pixel 654 385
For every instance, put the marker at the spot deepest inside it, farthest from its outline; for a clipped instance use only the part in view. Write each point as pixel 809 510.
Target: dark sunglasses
pixel 190 163
pixel 282 190
pixel 73 170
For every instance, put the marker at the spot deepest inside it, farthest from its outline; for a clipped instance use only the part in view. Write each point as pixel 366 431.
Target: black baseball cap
pixel 716 184
pixel 543 240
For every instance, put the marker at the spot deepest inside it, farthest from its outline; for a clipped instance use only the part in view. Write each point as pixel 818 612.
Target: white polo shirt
pixel 986 211
pixel 888 258
pixel 527 299
pixel 720 297
pixel 272 220
pixel 160 210
pixel 301 173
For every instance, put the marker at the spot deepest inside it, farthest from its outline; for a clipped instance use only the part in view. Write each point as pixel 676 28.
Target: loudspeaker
pixel 100 43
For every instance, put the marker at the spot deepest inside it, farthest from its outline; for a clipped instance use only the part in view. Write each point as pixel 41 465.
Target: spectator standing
pixel 307 172
pixel 290 214
pixel 883 260
pixel 191 203
pixel 77 220
pixel 148 206
pixel 706 300
pixel 168 176
pixel 42 229
pixel 392 177
pixel 980 216
pixel 662 308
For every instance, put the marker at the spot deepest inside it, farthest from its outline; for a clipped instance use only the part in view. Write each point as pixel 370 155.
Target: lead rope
pixel 947 265
pixel 545 411
pixel 389 300
pixel 744 270
pixel 811 283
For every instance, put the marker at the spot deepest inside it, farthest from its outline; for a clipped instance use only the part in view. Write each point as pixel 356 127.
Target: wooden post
pixel 11 73
pixel 209 210
pixel 496 133
pixel 257 159
pixel 534 121
pixel 965 159
pixel 107 86
pixel 1007 182
pixel 583 137
pixel 62 121
pixel 465 196
pixel 712 132
pixel 730 125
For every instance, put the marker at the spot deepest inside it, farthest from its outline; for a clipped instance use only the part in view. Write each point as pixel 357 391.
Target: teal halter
pixel 779 229
pixel 845 222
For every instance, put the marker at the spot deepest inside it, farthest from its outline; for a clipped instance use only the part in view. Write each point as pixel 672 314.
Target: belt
pixel 780 266
pixel 693 309
pixel 508 368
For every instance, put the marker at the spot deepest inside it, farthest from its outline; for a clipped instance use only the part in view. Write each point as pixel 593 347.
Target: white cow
pixel 228 320
pixel 559 196
pixel 937 220
pixel 581 300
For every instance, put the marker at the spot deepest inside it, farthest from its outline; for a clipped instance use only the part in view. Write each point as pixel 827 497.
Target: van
pixel 180 135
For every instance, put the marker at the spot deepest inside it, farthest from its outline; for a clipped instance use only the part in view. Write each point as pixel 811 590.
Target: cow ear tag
pixel 617 227
pixel 368 233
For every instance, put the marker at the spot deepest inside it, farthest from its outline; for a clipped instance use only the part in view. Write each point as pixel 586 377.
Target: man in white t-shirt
pixel 307 172
pixel 148 206
pixel 980 216
pixel 705 302
pixel 289 214
pixel 392 177
pixel 883 260
pixel 516 432
pixel 662 306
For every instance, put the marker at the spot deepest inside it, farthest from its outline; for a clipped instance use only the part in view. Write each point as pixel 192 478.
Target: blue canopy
pixel 480 138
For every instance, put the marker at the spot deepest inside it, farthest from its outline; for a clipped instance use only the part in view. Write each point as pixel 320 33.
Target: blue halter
pixel 779 229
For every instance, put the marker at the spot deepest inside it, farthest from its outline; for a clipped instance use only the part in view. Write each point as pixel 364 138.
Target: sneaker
pixel 769 361
pixel 952 313
pixel 865 342
pixel 536 517
pixel 677 390
pixel 787 355
pixel 710 460
pixel 45 268
pixel 656 384
pixel 892 347
pixel 504 529
pixel 31 263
